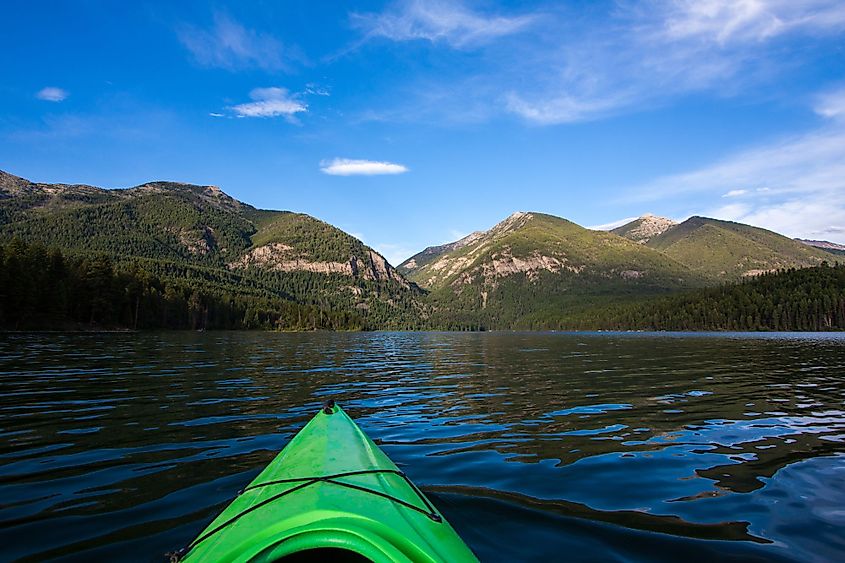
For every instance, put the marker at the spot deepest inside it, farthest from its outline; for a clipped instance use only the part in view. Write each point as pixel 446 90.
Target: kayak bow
pixel 330 495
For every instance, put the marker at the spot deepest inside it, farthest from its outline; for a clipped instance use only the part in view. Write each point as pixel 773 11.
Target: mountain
pixel 180 255
pixel 532 267
pixel 645 228
pixel 432 252
pixel 724 250
pixel 832 247
pixel 201 235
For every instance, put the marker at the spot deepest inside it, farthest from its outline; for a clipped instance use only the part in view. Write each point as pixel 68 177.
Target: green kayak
pixel 330 495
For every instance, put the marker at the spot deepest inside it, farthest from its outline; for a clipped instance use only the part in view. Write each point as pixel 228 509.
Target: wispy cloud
pixel 613 224
pixel 831 104
pixel 395 253
pixel 727 21
pixel 351 167
pixel 271 102
pixel 649 52
pixel 52 94
pixel 795 186
pixel 439 21
pixel 565 108
pixel 813 162
pixel 229 45
pixel 577 65
pixel 316 90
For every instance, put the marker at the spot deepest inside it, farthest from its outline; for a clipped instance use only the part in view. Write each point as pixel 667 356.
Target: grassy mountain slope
pixel 533 267
pixel 724 250
pixel 200 234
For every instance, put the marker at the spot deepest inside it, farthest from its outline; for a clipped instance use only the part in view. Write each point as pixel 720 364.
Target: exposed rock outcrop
pixel 283 258
pixel 645 228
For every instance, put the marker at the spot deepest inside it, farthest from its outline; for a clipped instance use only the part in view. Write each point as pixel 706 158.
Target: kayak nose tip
pixel 328 406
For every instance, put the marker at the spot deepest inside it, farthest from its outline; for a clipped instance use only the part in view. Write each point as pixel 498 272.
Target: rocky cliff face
pixel 645 228
pixel 281 257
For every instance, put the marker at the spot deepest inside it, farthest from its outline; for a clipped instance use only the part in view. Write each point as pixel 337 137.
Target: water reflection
pixel 127 444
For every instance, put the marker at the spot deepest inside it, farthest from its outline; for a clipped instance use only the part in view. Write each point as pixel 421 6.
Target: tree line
pixel 806 299
pixel 42 288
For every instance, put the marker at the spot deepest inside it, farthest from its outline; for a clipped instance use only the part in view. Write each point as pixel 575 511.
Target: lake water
pixel 535 446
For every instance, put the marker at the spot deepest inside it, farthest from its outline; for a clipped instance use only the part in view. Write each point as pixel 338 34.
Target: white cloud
pixel 645 53
pixel 439 21
pixel 215 114
pixel 736 193
pixel 613 224
pixel 831 104
pixel 229 45
pixel 270 102
pixel 351 167
pixel 725 21
pixel 814 218
pixel 566 108
pixel 796 186
pixel 52 94
pixel 316 90
pixel 811 163
pixel 395 253
pixel 731 212
pixel 579 65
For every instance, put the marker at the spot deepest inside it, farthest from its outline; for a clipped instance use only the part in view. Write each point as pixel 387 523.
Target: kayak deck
pixel 331 488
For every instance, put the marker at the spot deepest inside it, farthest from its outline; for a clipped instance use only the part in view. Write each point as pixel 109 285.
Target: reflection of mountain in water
pixel 600 438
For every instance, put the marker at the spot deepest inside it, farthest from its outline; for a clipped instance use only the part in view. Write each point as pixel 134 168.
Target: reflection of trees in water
pixel 133 425
pixel 634 519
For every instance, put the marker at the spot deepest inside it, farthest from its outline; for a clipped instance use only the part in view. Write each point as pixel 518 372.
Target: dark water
pixel 535 446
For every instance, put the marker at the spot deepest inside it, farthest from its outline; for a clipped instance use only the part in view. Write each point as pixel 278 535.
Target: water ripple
pixel 600 446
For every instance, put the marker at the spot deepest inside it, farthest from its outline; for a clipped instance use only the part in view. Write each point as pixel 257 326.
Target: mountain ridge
pixel 185 230
pixel 727 250
pixel 831 247
pixel 530 270
pixel 532 264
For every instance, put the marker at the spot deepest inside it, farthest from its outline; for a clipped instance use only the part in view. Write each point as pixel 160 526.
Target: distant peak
pixel 645 228
pixel 511 223
pixel 824 244
pixel 652 217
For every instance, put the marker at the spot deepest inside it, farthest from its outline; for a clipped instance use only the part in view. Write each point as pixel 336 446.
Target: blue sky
pixel 413 123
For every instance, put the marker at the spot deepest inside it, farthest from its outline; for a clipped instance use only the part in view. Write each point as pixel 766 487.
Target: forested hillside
pixel 172 255
pixel 41 288
pixel 199 238
pixel 809 299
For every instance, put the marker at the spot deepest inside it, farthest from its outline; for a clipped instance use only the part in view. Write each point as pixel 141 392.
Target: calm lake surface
pixel 536 446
